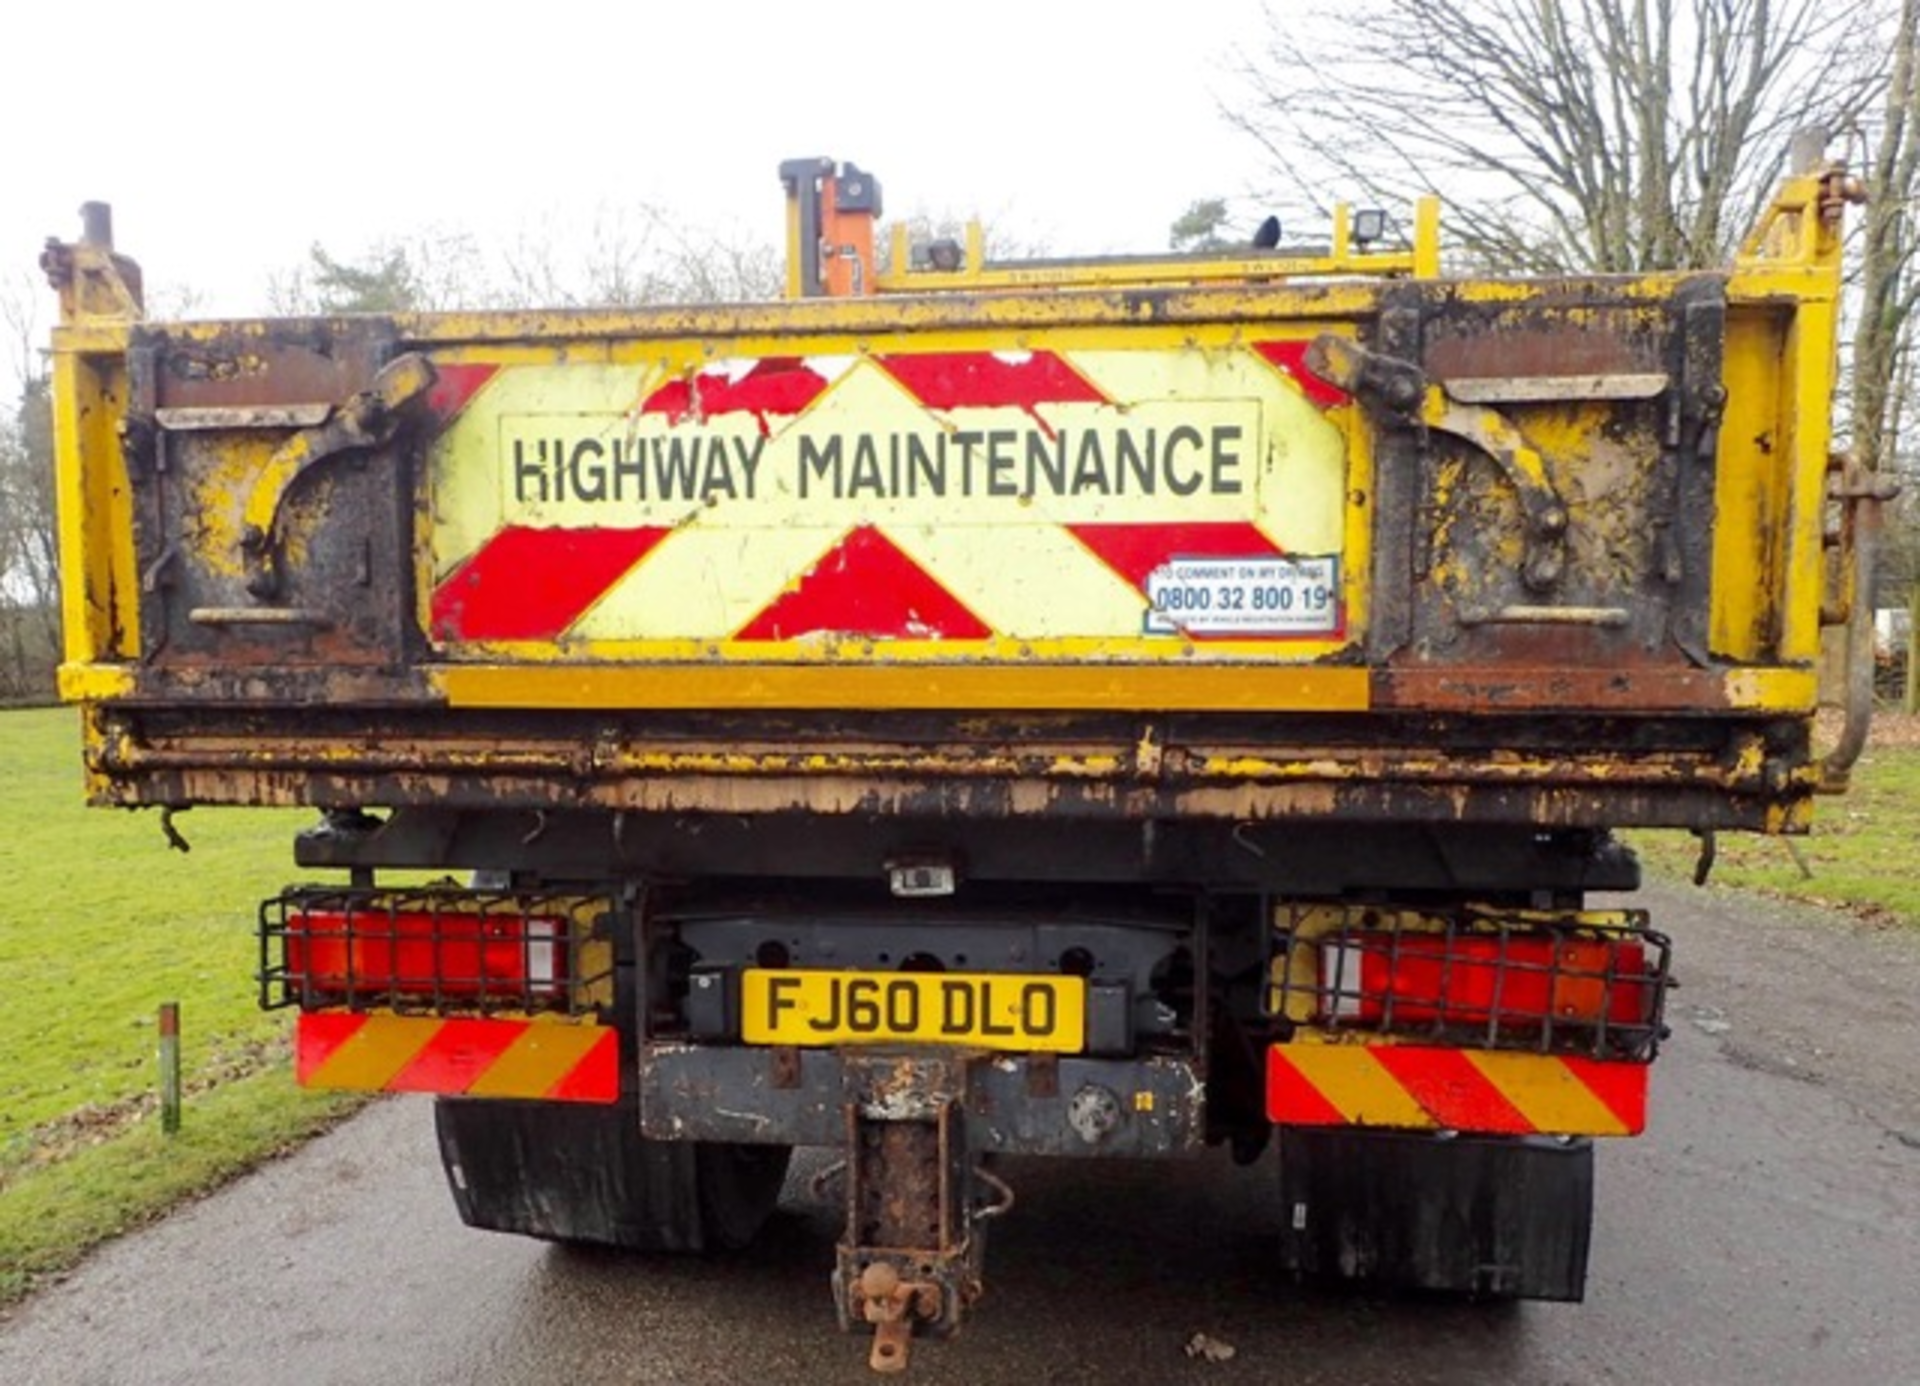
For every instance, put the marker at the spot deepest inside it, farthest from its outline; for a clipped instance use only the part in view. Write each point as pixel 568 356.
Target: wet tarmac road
pixel 1768 1230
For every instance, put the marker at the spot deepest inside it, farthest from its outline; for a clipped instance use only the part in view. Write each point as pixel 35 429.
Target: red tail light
pixel 425 953
pixel 1505 980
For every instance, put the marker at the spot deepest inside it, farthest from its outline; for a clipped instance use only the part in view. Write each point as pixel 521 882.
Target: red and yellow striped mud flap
pixel 551 1059
pixel 1425 1088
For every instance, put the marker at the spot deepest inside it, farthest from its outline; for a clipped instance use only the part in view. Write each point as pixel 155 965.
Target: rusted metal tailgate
pixel 1542 551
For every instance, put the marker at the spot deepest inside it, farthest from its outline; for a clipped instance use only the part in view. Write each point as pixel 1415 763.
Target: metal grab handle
pixel 220 616
pixel 1003 1193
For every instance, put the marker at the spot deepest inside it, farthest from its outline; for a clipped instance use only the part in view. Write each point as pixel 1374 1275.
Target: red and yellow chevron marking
pixel 556 1060
pixel 1425 1088
pixel 955 504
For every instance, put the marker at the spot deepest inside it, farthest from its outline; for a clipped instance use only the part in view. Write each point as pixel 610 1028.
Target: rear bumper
pixel 1013 1104
pixel 1507 761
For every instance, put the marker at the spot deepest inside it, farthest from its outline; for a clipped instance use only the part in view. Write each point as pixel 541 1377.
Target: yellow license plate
pixel 989 1010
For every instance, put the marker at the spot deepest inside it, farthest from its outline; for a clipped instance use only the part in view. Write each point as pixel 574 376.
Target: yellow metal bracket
pixel 1401 389
pixel 1546 514
pixel 367 421
pixel 95 285
pixel 1802 225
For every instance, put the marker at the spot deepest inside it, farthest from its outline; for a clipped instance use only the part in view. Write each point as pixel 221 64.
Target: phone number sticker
pixel 1244 596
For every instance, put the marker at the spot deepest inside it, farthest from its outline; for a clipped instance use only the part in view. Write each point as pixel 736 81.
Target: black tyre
pixel 583 1173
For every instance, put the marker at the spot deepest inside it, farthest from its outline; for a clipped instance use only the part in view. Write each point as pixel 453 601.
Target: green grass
pixel 101 922
pixel 1859 857
pixel 52 1212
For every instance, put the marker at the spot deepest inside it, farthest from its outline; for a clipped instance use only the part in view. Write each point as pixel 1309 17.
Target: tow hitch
pixel 909 1260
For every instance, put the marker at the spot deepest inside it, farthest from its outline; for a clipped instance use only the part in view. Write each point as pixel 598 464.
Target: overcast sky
pixel 230 137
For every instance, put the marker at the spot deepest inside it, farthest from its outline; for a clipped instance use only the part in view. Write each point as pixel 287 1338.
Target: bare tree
pixel 433 270
pixel 1610 135
pixel 1888 285
pixel 29 549
pixel 1888 290
pixel 627 255
pixel 710 267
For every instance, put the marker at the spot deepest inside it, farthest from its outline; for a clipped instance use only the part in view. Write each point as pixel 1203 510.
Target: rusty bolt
pixel 1401 391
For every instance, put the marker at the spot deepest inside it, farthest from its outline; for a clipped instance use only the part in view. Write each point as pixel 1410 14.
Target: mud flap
pixel 572 1172
pixel 1492 1217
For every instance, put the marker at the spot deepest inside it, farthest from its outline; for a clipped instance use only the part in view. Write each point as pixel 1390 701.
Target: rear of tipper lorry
pixel 1095 708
